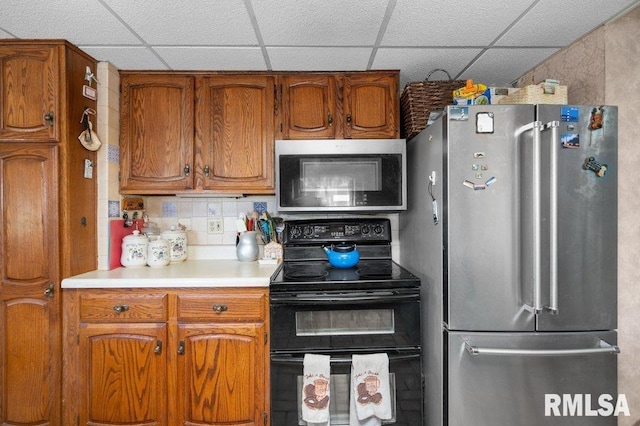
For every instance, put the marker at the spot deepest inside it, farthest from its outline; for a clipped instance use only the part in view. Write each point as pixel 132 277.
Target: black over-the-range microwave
pixel 341 175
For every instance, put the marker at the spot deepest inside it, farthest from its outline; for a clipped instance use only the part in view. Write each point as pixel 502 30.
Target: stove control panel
pixel 336 230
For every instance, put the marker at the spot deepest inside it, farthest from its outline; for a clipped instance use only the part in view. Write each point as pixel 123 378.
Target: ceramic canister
pixel 158 252
pixel 177 239
pixel 134 250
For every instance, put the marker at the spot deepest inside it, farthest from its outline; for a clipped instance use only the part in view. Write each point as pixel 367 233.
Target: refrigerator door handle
pixel 536 127
pixel 602 348
pixel 552 308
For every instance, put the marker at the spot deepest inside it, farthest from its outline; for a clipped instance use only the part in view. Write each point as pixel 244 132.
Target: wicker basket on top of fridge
pixel 420 99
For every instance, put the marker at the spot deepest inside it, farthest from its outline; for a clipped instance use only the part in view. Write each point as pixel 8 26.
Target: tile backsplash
pixel 195 212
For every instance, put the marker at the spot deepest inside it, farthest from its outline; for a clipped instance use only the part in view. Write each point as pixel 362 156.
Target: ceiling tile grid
pixel 494 43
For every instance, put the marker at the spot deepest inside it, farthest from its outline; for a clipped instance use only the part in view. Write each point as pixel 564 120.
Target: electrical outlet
pixel 214 225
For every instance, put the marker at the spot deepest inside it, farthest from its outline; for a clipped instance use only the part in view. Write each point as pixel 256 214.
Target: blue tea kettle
pixel 342 255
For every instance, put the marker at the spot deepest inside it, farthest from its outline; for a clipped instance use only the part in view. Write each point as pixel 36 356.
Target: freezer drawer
pixel 505 378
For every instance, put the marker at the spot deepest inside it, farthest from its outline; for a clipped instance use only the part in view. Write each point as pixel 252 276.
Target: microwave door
pixel 350 176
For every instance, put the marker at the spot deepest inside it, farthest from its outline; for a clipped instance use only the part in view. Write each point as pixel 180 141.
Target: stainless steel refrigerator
pixel 512 227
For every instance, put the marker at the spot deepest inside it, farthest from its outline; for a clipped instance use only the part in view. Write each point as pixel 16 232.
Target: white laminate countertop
pixel 190 273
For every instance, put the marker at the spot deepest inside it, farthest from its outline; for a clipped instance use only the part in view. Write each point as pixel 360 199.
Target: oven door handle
pixel 332 300
pixel 339 360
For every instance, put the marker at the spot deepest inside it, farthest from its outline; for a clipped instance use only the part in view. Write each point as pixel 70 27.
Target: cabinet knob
pixel 206 170
pixel 49 118
pixel 118 309
pixel 348 118
pixel 158 349
pixel 49 291
pixel 220 308
pixel 187 170
pixel 330 120
pixel 181 347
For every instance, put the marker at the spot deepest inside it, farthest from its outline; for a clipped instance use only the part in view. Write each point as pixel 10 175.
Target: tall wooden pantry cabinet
pixel 48 217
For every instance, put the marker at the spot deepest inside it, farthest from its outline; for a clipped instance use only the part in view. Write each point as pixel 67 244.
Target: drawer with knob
pixel 245 307
pixel 123 308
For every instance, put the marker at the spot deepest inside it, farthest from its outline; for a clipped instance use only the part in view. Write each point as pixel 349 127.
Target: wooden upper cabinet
pixel 340 105
pixel 156 140
pixel 29 83
pixel 370 106
pixel 235 133
pixel 309 106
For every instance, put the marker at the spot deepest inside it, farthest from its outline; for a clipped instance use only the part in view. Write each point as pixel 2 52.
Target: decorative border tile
pixel 113 154
pixel 260 206
pixel 114 208
pixel 169 209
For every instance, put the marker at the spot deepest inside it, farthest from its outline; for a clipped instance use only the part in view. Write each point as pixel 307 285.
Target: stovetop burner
pixel 305 272
pixel 377 270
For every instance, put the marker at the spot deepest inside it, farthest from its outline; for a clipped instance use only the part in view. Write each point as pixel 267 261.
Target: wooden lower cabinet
pixel 166 357
pixel 124 370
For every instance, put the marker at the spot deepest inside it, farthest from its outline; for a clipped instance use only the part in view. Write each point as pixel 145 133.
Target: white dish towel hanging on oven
pixel 370 393
pixel 315 389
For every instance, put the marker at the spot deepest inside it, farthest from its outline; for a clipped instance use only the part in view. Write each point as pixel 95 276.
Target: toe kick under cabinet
pixel 166 357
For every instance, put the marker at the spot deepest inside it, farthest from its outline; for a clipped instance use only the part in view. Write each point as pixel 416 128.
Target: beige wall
pixel 604 68
pixel 581 67
pixel 622 88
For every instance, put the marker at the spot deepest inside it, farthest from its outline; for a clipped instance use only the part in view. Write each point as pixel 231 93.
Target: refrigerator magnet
pixel 570 140
pixel 570 114
pixel 484 122
pixel 459 113
pixel 595 166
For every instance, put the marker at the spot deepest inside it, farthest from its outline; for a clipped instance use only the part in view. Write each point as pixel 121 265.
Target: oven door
pixel 383 319
pixel 405 384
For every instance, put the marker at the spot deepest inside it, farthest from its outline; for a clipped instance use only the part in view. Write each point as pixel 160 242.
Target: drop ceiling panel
pixel 127 58
pixel 193 22
pixel 500 67
pixel 213 58
pixel 79 21
pixel 558 23
pixel 319 58
pixel 418 62
pixel 450 23
pixel 319 23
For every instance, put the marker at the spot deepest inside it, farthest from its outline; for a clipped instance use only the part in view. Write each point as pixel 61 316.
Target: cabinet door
pixel 29 93
pixel 309 107
pixel 371 107
pixel 221 374
pixel 122 374
pixel 235 133
pixel 29 296
pixel 156 135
